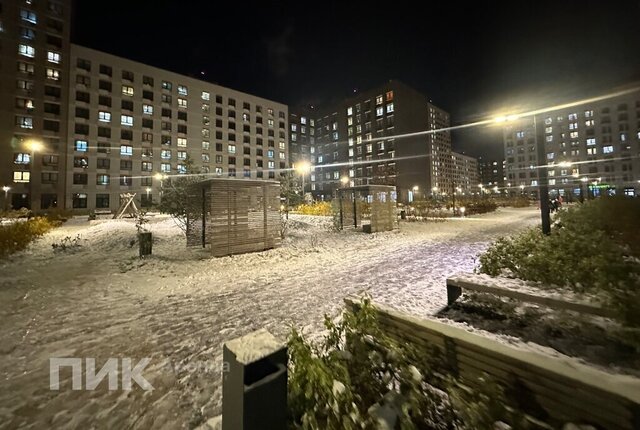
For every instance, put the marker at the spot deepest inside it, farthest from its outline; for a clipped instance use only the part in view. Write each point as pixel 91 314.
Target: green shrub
pixel 592 249
pixel 479 206
pixel 359 378
pixel 18 235
pixel 319 209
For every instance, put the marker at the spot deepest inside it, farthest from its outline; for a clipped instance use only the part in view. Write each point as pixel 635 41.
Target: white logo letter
pixel 136 374
pixel 54 372
pixel 110 368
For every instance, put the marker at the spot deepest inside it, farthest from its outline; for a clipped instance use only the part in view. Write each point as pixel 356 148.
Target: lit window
pixel 389 95
pixel 548 120
pixel 182 103
pixel 102 179
pixel 282 156
pixel 205 145
pixel 205 95
pixel 270 111
pixel 573 134
pixel 232 149
pixel 126 150
pixel 21 176
pixel 182 155
pixel 166 85
pixel 147 109
pixel 126 120
pixel 165 154
pixel 350 152
pixel 548 130
pixel 270 153
pixel 589 123
pixel 592 151
pixel 28 16
pixel 26 50
pixel 53 57
pixel 550 156
pixel 588 113
pixel 281 145
pixel 573 116
pixel 81 145
pixel 24 121
pixel 379 111
pixel 591 141
pixel 549 138
pixel 182 90
pixel 519 134
pixel 182 142
pixel 379 100
pixel 53 74
pixel 127 90
pixel 104 116
pixel 349 111
pixel 623 137
pixel 271 164
pixel 390 108
pixel 303 120
pixel 294 127
pixel 573 126
pixel 21 158
pixel 165 167
pixel 607 149
pixel 270 122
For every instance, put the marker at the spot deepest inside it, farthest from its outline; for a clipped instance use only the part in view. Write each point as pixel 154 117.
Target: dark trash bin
pixel 403 214
pixel 254 383
pixel 145 240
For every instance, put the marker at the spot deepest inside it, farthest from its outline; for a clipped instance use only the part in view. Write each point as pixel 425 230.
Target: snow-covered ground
pixel 179 306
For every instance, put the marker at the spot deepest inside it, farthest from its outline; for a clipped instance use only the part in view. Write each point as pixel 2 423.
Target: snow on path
pixel 180 306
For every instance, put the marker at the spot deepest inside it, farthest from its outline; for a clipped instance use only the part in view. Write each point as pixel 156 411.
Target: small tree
pixel 290 189
pixel 177 199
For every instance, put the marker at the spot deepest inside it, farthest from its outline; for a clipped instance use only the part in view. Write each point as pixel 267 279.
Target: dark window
pixel 52 108
pixel 218 110
pixel 104 100
pixel 146 94
pixel 247 162
pixel 147 80
pixel 104 147
pixel 127 104
pixel 51 125
pixel 218 146
pixel 218 99
pixel 165 140
pixel 147 137
pixel 166 113
pixel 82 112
pixel 80 201
pixel 126 164
pixel 102 201
pixel 146 181
pixel 166 98
pixel 104 163
pixel 218 135
pixel 219 123
pixel 182 128
pixel 104 85
pixel 54 41
pixel 84 64
pixel 232 102
pixel 49 200
pixel 82 96
pixel 246 139
pixel 82 129
pixel 104 132
pixel 246 128
pixel 105 70
pixel 182 116
pixel 246 105
pixel 83 80
pixel 166 126
pixel 80 178
pixel 232 160
pixel 126 134
pixel 147 123
pixel 127 75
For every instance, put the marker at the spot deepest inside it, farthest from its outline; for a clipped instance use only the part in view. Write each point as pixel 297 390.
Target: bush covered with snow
pixel 359 378
pixel 593 248
pixel 17 235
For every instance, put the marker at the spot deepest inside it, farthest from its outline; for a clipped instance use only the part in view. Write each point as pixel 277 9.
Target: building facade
pixel 492 174
pixel 590 148
pixel 390 135
pixel 465 173
pixel 132 125
pixel 34 71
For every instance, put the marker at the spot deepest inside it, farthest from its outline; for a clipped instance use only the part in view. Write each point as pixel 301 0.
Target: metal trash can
pixel 403 214
pixel 254 383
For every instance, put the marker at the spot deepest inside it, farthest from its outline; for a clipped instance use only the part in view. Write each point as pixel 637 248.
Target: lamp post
pixel 344 180
pixel 160 177
pixel 6 197
pixel 33 146
pixel 415 191
pixel 148 191
pixel 302 168
pixel 522 190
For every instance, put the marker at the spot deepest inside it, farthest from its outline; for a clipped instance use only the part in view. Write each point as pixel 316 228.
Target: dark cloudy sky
pixel 472 58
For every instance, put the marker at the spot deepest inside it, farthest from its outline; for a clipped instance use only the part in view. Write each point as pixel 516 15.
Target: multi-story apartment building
pixel 34 60
pixel 302 134
pixel 130 124
pixel 492 173
pixel 595 145
pixel 388 135
pixel 78 127
pixel 465 173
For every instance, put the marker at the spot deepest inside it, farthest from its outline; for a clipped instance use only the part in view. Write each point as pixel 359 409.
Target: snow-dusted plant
pixel 142 222
pixel 359 378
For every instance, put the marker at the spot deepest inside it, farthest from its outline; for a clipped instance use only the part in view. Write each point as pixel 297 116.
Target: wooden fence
pixel 552 390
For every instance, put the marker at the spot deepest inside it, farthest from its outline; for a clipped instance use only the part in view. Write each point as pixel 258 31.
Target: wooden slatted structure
pixel 237 216
pixel 372 207
pixel 553 390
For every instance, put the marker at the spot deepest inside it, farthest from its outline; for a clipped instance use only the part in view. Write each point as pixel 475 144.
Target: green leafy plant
pixel 594 248
pixel 359 378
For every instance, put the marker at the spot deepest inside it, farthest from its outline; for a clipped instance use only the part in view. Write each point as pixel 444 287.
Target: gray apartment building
pixel 465 173
pixel 594 145
pixel 380 136
pixel 80 127
pixel 130 125
pixel 34 82
pixel 492 173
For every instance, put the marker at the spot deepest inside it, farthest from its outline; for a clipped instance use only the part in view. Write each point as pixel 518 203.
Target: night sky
pixel 472 58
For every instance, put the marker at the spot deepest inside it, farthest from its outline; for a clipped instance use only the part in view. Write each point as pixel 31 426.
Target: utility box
pixel 254 383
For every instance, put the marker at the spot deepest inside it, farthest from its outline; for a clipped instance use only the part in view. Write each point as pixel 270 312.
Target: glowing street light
pixel 6 196
pixel 303 167
pixel 33 146
pixel 344 180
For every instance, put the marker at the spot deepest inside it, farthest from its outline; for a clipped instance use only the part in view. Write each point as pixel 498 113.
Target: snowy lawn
pixel 178 307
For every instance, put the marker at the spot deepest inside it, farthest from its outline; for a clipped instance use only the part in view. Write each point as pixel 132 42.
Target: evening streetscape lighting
pixel 462 209
pixel 565 164
pixel 585 179
pixel 415 188
pixel 303 167
pixel 34 145
pixel 344 180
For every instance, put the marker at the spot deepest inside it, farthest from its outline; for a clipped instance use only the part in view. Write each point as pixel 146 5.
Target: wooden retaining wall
pixel 554 390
